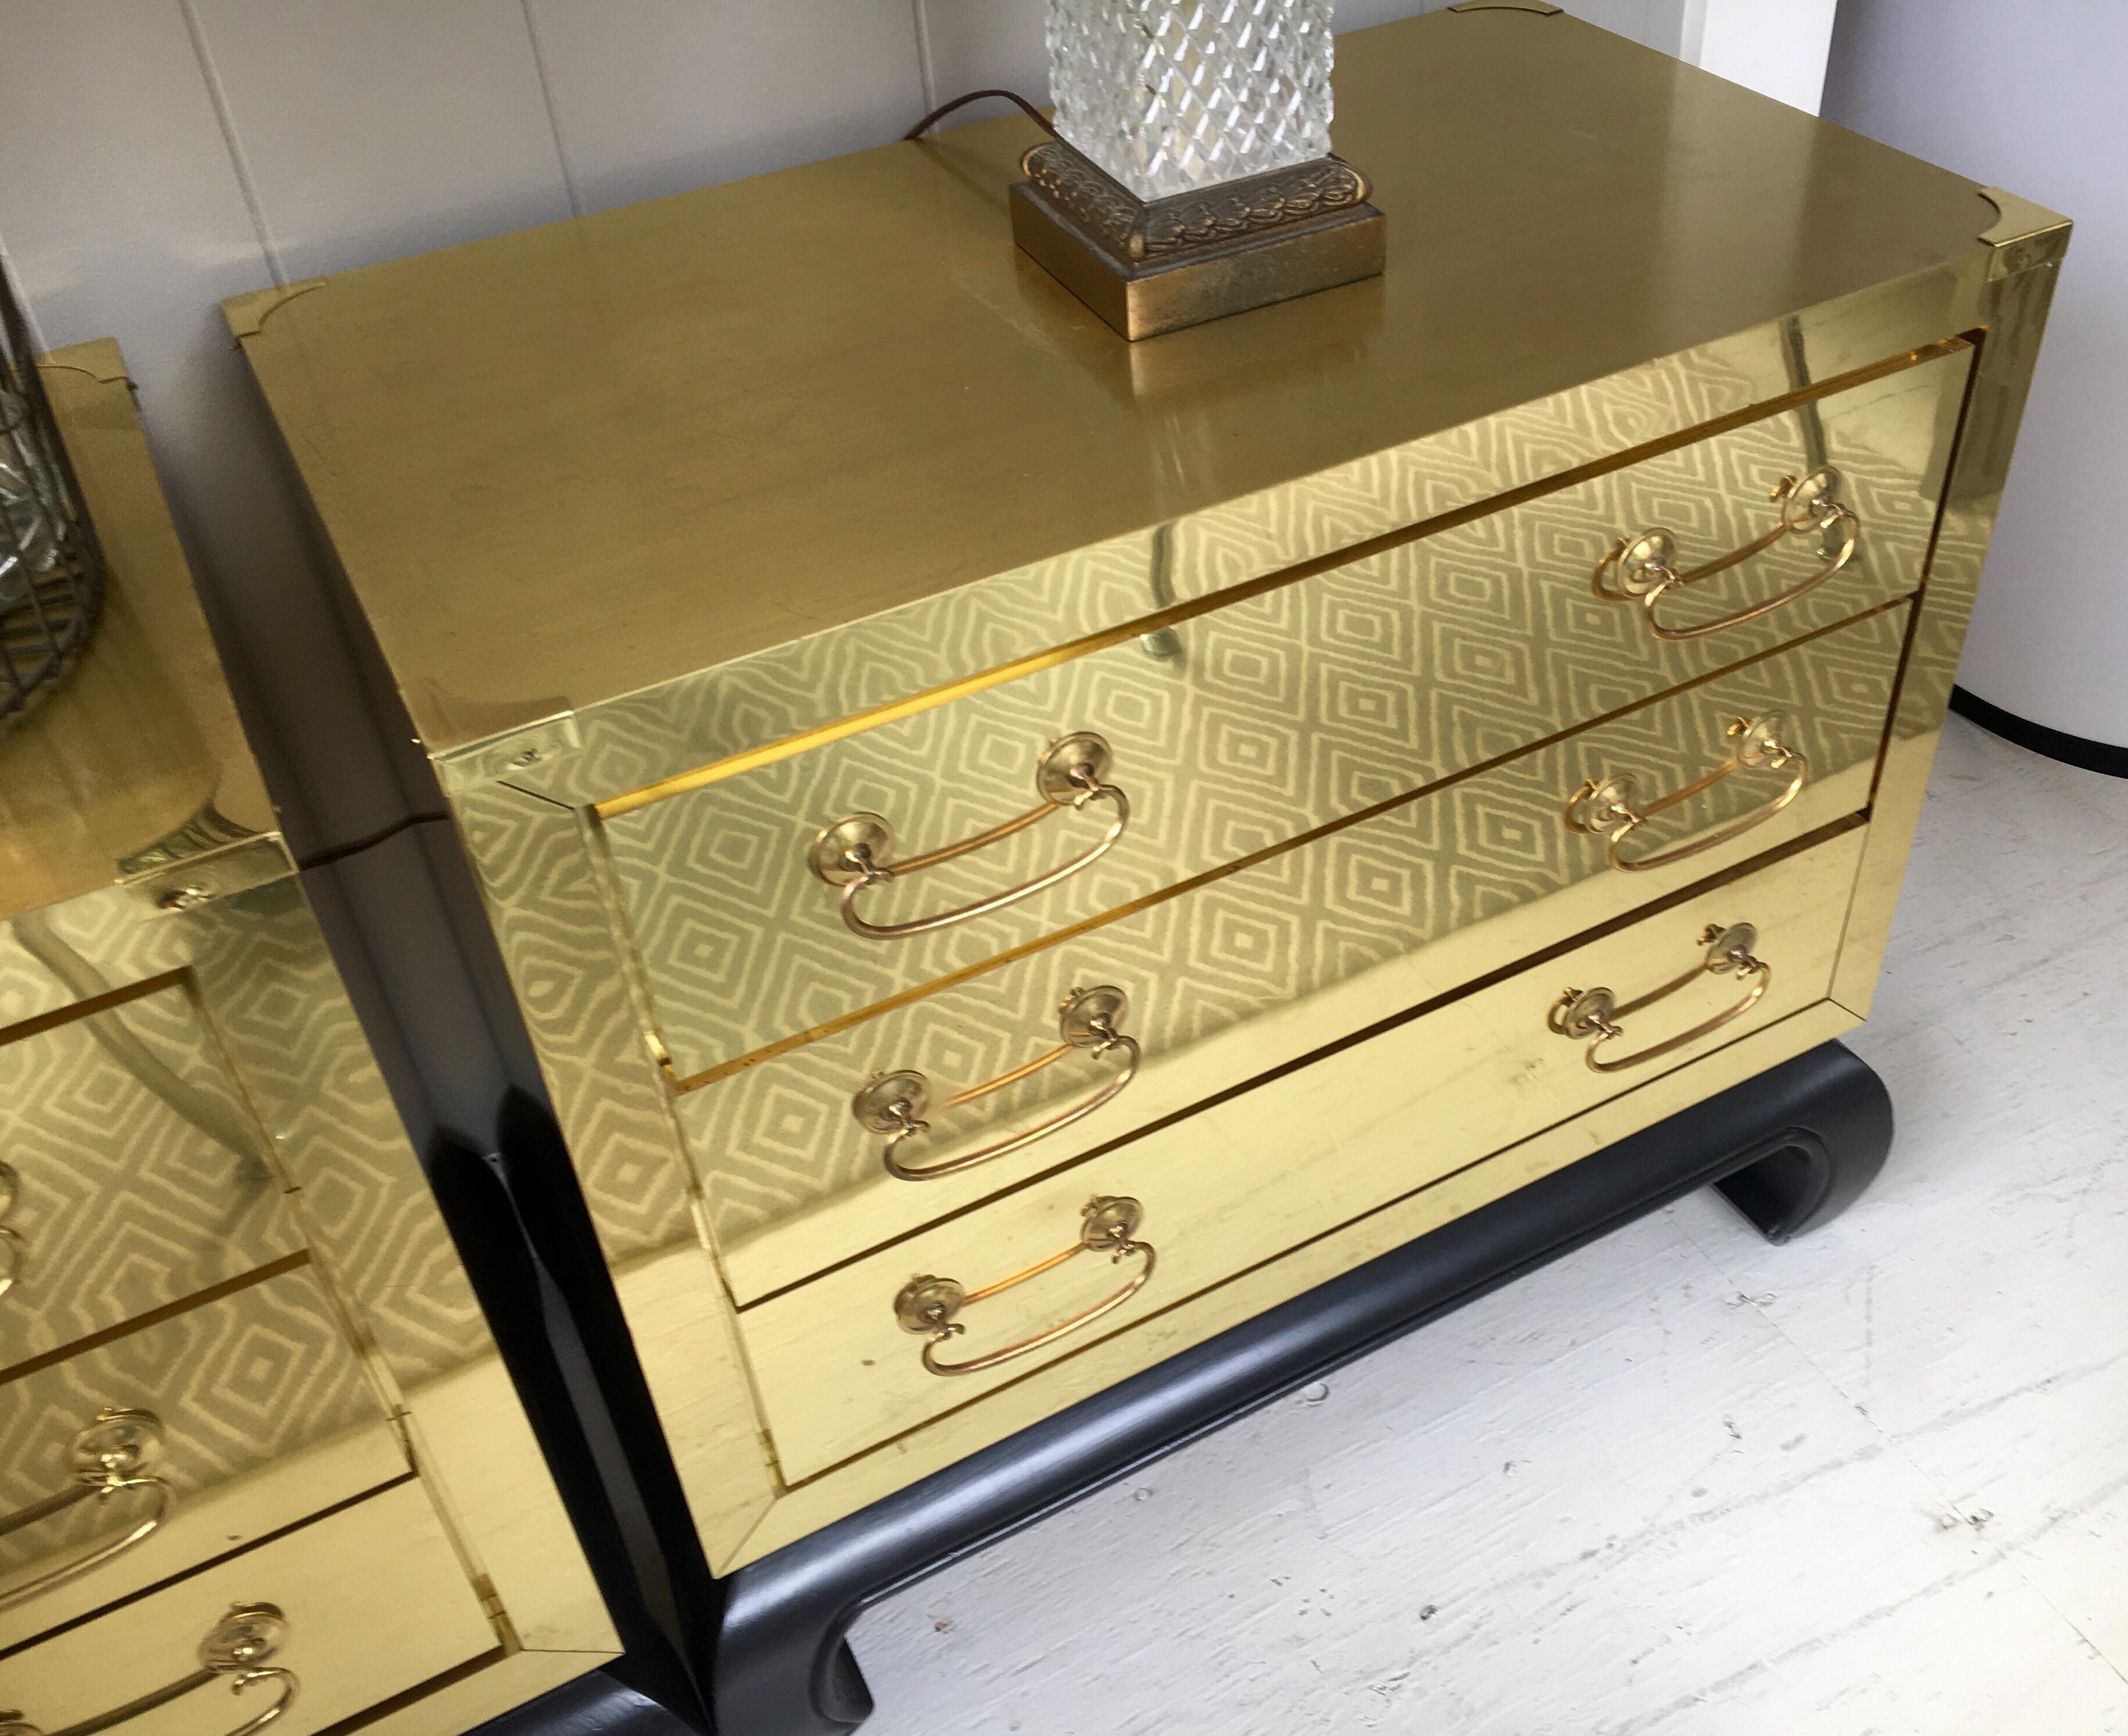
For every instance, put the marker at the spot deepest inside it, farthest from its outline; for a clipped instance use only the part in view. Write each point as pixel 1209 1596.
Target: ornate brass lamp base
pixel 1151 266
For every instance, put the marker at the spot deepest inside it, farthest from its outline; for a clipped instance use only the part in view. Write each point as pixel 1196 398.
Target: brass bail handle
pixel 1644 569
pixel 928 1305
pixel 14 1251
pixel 895 1104
pixel 858 850
pixel 235 1650
pixel 1595 1013
pixel 1613 808
pixel 112 1457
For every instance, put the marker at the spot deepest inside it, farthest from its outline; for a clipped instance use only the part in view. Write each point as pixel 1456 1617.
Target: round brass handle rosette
pixel 895 1104
pixel 858 850
pixel 930 1306
pixel 1595 1013
pixel 1644 568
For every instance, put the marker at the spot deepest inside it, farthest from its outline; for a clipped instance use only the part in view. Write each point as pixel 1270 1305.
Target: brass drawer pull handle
pixel 108 1458
pixel 1644 568
pixel 13 1249
pixel 894 1104
pixel 928 1305
pixel 1613 808
pixel 235 1651
pixel 1596 1013
pixel 857 851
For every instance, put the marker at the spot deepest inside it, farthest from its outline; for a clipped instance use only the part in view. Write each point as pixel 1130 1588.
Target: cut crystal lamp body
pixel 1171 99
pixel 1191 176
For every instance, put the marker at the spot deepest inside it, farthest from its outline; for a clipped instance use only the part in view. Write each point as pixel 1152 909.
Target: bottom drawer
pixel 371 1602
pixel 847 1361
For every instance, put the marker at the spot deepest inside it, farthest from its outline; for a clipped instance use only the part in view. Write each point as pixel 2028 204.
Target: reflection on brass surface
pixel 1286 716
pixel 237 1650
pixel 108 1460
pixel 1594 1013
pixel 1363 528
pixel 1543 8
pixel 1252 969
pixel 1613 807
pixel 1151 266
pixel 12 1248
pixel 931 1306
pixel 1644 568
pixel 2024 235
pixel 858 851
pixel 144 737
pixel 1235 558
pixel 1470 1062
pixel 894 1104
pixel 966 436
pixel 230 1237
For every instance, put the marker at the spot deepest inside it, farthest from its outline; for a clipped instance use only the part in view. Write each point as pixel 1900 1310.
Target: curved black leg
pixel 1811 1172
pixel 1792 1148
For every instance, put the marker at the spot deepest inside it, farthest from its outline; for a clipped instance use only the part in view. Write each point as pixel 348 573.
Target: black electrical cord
pixel 938 114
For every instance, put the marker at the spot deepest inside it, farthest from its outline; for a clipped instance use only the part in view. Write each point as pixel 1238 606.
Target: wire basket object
pixel 51 567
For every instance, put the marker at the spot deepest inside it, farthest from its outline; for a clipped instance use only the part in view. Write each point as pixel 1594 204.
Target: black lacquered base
pixel 1790 1149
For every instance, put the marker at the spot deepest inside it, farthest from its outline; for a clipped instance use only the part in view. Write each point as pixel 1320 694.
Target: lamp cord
pixel 938 114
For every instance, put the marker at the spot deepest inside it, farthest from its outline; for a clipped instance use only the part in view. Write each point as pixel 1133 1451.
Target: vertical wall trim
pixel 37 342
pixel 925 75
pixel 1692 31
pixel 225 119
pixel 553 112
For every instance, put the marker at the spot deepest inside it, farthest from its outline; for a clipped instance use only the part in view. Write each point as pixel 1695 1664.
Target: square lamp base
pixel 1149 266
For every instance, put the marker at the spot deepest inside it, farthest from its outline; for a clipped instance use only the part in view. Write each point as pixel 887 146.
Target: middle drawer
pixel 165 1446
pixel 1253 971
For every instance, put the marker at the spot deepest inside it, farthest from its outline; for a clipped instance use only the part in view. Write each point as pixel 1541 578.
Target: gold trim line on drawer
pixel 155 1316
pixel 680 1084
pixel 738 764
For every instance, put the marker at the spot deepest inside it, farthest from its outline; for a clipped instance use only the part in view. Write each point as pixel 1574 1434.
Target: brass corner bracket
pixel 1149 266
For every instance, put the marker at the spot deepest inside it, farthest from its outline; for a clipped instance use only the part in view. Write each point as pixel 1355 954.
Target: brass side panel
pixel 1254 971
pixel 181 1003
pixel 1250 1177
pixel 2028 245
pixel 144 1177
pixel 267 1419
pixel 376 1604
pixel 141 746
pixel 1259 722
pixel 541 884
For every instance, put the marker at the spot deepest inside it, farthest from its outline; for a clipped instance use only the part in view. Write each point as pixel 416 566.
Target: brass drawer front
pixel 234 1419
pixel 755 902
pixel 1251 971
pixel 840 1363
pixel 371 1600
pixel 139 1174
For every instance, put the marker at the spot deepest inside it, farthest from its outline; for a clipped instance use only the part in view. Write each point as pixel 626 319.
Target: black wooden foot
pixel 1814 1168
pixel 1791 1148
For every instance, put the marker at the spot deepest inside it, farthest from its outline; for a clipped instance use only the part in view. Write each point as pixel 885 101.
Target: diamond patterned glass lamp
pixel 1192 176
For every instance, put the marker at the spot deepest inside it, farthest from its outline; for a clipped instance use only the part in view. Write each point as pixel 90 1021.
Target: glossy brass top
pixel 569 464
pixel 143 739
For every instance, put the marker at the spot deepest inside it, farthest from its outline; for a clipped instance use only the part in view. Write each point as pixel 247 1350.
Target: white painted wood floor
pixel 1872 1484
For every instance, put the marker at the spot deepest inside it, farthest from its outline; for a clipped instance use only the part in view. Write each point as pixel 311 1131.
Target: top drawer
pixel 800 894
pixel 132 1173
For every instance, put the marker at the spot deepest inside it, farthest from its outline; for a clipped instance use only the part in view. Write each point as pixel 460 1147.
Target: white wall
pixel 2031 97
pixel 157 155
